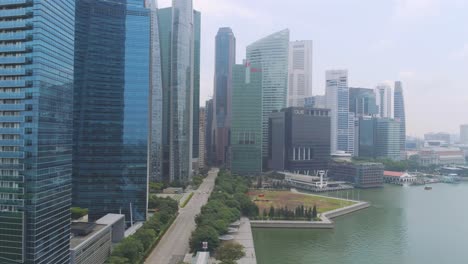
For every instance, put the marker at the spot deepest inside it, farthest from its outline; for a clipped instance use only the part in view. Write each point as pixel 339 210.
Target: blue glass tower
pixel 117 103
pixel 36 118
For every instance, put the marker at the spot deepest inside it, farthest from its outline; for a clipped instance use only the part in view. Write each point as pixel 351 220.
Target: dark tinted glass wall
pixel 112 81
pixel 36 66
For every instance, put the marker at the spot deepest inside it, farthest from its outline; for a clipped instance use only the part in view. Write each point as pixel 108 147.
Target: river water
pixel 404 225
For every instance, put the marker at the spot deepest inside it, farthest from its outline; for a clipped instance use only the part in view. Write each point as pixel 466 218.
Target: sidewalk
pixel 245 238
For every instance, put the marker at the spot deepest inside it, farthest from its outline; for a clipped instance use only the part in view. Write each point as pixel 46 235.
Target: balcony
pixel 12 107
pixel 15 36
pixel 16 202
pixel 12 154
pixel 10 131
pixel 11 190
pixel 12 119
pixel 19 24
pixel 13 72
pixel 10 143
pixel 15 2
pixel 10 13
pixel 14 84
pixel 9 95
pixel 14 60
pixel 18 179
pixel 14 48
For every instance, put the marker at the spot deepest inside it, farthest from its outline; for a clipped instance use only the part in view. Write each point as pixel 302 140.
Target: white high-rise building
pixel 464 134
pixel 337 94
pixel 300 72
pixel 383 94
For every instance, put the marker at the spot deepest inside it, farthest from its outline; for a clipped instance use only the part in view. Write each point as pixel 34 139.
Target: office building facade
pixel 299 140
pixel 360 174
pixel 342 123
pixel 209 151
pixel 247 114
pixel 316 101
pixel 362 102
pixel 179 31
pixel 300 72
pixel 117 114
pixel 225 58
pixel 400 114
pixel 464 134
pixel 383 94
pixel 36 126
pixel 379 138
pixel 271 55
pixel 202 132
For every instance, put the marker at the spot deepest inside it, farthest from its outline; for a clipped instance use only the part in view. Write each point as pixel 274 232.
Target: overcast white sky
pixel 423 43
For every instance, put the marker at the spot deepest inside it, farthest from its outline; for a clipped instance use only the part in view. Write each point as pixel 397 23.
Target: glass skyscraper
pixel 179 28
pixel 36 120
pixel 117 103
pixel 225 58
pixel 400 115
pixel 272 55
pixel 246 129
pixel 342 122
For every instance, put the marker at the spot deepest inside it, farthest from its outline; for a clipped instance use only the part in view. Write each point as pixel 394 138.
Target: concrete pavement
pixel 174 245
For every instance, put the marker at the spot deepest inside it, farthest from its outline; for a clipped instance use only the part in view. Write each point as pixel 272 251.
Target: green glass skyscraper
pixel 272 55
pixel 246 129
pixel 36 127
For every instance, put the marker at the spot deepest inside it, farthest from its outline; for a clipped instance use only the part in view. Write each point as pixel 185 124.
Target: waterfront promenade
pixel 245 238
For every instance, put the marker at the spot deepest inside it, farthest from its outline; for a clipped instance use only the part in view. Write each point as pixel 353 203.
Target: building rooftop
pixel 110 219
pixel 91 230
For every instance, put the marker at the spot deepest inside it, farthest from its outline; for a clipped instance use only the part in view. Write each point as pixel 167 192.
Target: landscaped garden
pixel 265 200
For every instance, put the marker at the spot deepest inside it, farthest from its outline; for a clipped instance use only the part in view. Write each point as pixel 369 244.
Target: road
pixel 174 244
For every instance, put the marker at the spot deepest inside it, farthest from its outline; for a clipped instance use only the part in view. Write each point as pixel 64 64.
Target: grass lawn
pixel 280 199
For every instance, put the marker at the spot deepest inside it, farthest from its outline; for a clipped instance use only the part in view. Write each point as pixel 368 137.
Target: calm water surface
pixel 404 225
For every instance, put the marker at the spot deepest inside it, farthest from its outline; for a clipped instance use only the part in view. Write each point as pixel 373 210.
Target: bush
pixel 77 212
pixel 130 248
pixel 230 251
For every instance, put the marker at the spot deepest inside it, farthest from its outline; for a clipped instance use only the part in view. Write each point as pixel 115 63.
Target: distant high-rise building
pixel 196 82
pixel 299 140
pixel 201 151
pixel 225 58
pixel 209 152
pixel 117 107
pixel 317 101
pixel 445 138
pixel 379 138
pixel 36 128
pixel 271 55
pixel 246 129
pixel 362 102
pixel 400 115
pixel 464 134
pixel 300 72
pixel 179 29
pixel 384 100
pixel 337 94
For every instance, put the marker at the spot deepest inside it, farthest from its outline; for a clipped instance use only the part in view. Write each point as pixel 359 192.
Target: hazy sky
pixel 423 43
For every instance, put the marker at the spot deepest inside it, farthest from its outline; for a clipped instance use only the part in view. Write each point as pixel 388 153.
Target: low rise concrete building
pixel 396 177
pixel 360 174
pixel 91 243
pixel 441 156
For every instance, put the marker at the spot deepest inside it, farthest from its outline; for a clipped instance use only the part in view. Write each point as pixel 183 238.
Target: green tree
pixel 118 260
pixel 129 248
pixel 230 251
pixel 146 237
pixel 204 234
pixel 314 212
pixel 271 214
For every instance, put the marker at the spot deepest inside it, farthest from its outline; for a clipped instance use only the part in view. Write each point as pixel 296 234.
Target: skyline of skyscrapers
pixel 300 72
pixel 464 134
pixel 36 136
pixel 271 55
pixel 225 58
